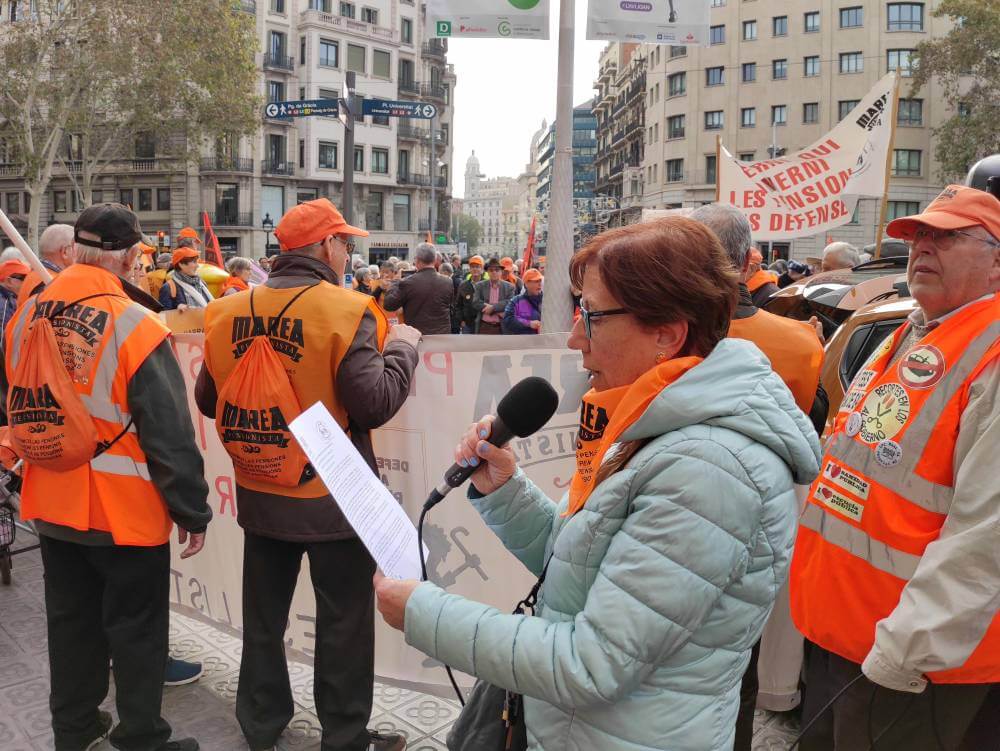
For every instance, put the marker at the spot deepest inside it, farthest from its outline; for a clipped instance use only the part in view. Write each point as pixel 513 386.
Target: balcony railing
pixel 11 169
pixel 411 88
pixel 348 25
pixel 228 218
pixel 227 164
pixel 434 49
pixel 421 181
pixel 279 61
pixel 272 167
pixel 433 91
pixel 144 164
pixel 413 134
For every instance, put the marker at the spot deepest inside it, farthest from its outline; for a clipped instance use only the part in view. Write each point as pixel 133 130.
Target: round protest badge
pixel 853 426
pixel 884 412
pixel 921 367
pixel 888 453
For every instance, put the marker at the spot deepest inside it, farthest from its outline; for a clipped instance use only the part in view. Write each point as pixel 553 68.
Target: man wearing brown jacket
pixel 425 296
pixel 335 348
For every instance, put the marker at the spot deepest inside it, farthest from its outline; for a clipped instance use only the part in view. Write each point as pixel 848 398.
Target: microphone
pixel 523 410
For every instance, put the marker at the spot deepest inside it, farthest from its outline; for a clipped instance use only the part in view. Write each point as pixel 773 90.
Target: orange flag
pixel 213 253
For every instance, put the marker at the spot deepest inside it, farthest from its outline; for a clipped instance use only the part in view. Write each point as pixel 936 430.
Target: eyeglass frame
pixel 930 232
pixel 349 244
pixel 587 316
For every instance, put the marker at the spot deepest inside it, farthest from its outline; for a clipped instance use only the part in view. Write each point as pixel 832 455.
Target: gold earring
pixel 661 357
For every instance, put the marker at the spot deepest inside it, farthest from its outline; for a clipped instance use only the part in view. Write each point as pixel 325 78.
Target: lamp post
pixel 268 224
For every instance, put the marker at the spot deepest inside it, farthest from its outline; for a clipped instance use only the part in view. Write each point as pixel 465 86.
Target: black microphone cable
pixel 423 577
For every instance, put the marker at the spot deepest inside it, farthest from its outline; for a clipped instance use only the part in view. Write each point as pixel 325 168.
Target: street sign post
pixel 387 108
pixel 302 108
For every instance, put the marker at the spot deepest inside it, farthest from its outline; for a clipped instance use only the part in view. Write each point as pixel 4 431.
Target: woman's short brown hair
pixel 664 271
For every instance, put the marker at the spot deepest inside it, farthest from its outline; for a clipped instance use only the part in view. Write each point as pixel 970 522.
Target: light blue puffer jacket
pixel 660 586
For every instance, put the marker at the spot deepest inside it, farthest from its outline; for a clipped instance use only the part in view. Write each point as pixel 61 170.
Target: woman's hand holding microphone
pixel 495 465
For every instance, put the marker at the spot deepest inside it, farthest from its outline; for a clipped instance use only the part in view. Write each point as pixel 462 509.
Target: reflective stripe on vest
pixel 858 543
pixel 113 464
pixel 15 351
pixel 902 479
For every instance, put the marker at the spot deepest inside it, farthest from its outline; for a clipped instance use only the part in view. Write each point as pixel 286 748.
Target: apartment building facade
pixel 246 185
pixel 620 114
pixel 779 74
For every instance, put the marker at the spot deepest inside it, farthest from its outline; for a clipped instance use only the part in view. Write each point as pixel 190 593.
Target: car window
pixel 862 343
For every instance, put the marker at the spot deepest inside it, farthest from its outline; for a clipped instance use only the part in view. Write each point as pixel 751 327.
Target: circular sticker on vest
pixel 884 412
pixel 888 453
pixel 853 424
pixel 921 367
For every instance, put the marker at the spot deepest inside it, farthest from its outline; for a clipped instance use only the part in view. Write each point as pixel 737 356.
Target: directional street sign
pixel 302 108
pixel 387 108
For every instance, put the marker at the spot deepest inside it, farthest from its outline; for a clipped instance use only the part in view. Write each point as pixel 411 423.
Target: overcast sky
pixel 505 88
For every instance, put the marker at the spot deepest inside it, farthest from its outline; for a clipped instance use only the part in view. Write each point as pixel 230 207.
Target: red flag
pixel 529 251
pixel 213 253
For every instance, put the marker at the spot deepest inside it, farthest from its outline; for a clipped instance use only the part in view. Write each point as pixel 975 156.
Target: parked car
pixel 833 296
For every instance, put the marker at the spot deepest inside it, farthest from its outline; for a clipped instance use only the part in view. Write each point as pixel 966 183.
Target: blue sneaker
pixel 180 673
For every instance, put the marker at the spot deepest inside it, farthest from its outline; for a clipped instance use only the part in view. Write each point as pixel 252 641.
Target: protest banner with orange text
pixel 816 189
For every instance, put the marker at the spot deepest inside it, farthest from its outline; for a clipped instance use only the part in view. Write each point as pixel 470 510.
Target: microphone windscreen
pixel 528 406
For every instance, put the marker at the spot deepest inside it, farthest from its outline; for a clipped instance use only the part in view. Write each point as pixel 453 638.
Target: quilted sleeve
pixel 521 516
pixel 686 539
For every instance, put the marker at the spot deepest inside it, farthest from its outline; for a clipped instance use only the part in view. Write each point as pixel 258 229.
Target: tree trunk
pixel 34 212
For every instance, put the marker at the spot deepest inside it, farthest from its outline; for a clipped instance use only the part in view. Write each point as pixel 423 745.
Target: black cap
pixel 116 226
pixel 493 263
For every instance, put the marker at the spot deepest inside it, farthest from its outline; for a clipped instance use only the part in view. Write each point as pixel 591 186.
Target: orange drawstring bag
pixel 255 406
pixel 49 425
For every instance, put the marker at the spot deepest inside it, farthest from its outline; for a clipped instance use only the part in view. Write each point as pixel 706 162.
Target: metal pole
pixel 557 311
pixel 348 207
pixel 433 171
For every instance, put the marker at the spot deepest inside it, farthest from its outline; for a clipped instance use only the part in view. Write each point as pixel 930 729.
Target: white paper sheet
pixel 376 516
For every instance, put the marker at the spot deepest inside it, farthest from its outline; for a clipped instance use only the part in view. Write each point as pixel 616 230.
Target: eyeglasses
pixel 945 238
pixel 349 244
pixel 590 315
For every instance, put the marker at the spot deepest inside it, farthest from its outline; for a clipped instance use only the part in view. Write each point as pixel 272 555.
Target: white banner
pixel 676 22
pixel 459 379
pixel 816 189
pixel 513 19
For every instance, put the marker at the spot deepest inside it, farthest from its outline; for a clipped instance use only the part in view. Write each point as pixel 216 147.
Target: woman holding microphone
pixel 664 557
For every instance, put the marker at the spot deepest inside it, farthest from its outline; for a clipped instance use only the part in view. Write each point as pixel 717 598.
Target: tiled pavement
pixel 205 709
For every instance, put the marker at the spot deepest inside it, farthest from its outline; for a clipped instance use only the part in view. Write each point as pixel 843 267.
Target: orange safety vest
pixel 761 278
pixel 31 283
pixel 310 341
pixel 793 348
pixel 105 340
pixel 886 486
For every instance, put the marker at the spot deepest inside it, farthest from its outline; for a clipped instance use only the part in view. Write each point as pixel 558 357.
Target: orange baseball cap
pixel 182 254
pixel 532 275
pixel 188 232
pixel 12 268
pixel 477 261
pixel 756 256
pixel 956 208
pixel 310 222
pixel 507 263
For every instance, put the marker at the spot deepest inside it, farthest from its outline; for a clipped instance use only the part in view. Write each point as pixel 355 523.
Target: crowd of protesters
pixel 685 561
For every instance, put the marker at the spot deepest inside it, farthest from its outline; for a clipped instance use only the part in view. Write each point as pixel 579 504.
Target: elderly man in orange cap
pixel 12 275
pixel 508 274
pixel 337 349
pixel 466 294
pixel 896 572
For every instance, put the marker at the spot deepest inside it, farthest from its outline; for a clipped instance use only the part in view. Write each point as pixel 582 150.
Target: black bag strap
pixel 60 310
pixel 529 602
pixel 253 314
